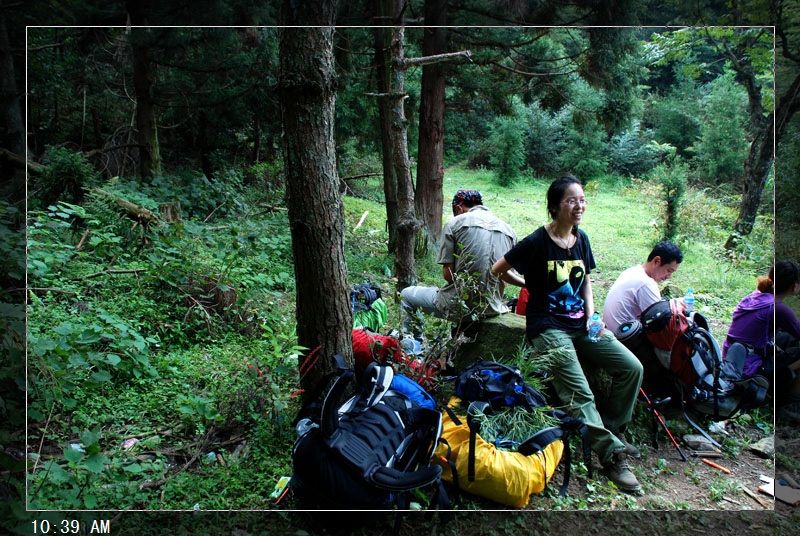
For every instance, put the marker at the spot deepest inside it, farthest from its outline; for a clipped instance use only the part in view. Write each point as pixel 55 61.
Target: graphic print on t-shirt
pixel 564 281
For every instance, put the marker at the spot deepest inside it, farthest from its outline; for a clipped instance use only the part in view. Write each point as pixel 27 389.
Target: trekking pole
pixel 651 408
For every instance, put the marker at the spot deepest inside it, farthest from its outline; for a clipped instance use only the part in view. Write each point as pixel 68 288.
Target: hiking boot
pixel 619 472
pixel 630 450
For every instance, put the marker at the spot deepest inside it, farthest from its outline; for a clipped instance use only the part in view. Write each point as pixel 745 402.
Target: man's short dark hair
pixel 667 251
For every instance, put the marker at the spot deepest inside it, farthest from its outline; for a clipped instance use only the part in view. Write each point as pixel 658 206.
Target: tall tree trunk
pixel 307 89
pixel 408 224
pixel 385 16
pixel 766 131
pixel 12 128
pixel 757 167
pixel 430 156
pixel 759 161
pixel 146 124
pixel 203 146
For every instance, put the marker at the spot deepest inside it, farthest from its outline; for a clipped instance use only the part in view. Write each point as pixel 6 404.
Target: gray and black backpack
pixel 368 452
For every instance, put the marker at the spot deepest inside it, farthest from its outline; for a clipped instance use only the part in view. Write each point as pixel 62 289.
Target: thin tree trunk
pixel 146 124
pixel 430 159
pixel 384 16
pixel 408 224
pixel 766 134
pixel 307 89
pixel 13 128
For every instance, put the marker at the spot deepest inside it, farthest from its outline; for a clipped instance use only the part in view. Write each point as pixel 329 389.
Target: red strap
pixel 307 364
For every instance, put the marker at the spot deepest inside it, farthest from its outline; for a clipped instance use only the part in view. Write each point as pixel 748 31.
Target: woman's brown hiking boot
pixel 619 472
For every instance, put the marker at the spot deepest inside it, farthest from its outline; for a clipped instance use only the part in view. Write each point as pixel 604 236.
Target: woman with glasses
pixel 555 261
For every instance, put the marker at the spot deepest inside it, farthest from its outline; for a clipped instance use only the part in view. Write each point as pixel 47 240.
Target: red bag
pixel 369 347
pixel 664 323
pixel 522 302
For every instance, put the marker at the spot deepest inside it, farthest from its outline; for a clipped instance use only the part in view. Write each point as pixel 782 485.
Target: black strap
pixel 391 479
pixel 450 463
pixel 576 425
pixel 474 427
pixel 314 400
pixel 329 420
pixel 539 442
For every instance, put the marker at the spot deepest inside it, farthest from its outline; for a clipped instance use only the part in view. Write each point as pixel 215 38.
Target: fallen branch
pixel 205 312
pixel 361 221
pixel 20 163
pixel 89 154
pixel 361 176
pixel 151 484
pixel 105 272
pixel 759 500
pixel 132 210
pixel 436 58
pixel 47 289
pixel 82 241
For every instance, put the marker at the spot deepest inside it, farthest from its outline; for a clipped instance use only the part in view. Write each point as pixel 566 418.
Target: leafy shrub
pixel 507 154
pixel 198 196
pixel 544 140
pixel 787 198
pixel 49 237
pixel 722 146
pixel 88 350
pixel 677 118
pixel 584 152
pixel 12 244
pixel 672 176
pixel 633 152
pixel 267 176
pixel 66 177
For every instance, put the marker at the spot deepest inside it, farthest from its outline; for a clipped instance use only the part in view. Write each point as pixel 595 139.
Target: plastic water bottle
pixel 688 300
pixel 595 326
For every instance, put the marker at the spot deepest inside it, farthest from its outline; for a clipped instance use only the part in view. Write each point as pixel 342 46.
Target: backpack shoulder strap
pixel 329 419
pixel 474 427
pixel 539 441
pixel 376 380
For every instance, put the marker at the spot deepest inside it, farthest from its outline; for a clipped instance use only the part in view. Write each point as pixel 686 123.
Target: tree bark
pixel 307 88
pixel 430 155
pixel 384 16
pixel 408 224
pixel 12 128
pixel 767 132
pixel 146 124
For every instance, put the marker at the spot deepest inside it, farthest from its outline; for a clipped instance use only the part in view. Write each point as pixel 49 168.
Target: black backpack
pixel 489 386
pixel 368 452
pixel 363 295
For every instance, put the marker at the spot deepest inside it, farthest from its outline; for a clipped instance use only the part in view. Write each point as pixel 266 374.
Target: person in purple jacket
pixel 761 319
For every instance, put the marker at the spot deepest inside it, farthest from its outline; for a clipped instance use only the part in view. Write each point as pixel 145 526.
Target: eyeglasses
pixel 573 202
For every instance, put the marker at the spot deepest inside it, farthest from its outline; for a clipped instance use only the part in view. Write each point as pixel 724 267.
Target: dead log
pixel 132 210
pixel 170 212
pixel 19 162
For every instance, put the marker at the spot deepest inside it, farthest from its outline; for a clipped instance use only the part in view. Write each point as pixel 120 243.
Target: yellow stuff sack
pixel 506 477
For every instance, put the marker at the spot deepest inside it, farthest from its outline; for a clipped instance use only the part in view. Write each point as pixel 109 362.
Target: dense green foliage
pixel 162 363
pixel 153 345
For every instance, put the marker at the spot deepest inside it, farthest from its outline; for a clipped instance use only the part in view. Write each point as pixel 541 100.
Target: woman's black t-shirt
pixel 554 280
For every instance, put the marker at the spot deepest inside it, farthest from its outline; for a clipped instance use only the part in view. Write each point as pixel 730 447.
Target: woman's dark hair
pixel 556 192
pixel 781 277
